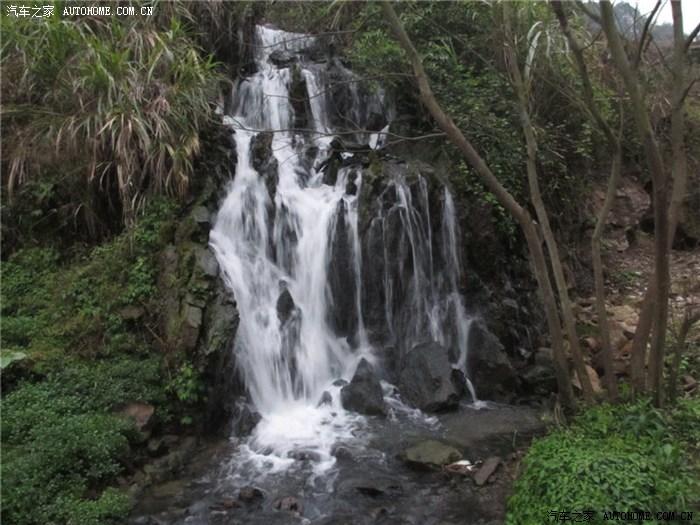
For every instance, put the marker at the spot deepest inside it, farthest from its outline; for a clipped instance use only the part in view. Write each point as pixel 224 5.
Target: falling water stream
pixel 286 238
pixel 301 330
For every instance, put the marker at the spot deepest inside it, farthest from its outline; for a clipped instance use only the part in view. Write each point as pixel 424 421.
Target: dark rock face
pixel 283 58
pixel 285 306
pixel 490 370
pixel 264 162
pixel 538 379
pixel 341 277
pixel 364 393
pixel 426 379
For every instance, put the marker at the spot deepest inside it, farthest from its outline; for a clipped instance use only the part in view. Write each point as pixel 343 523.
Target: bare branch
pixel 692 36
pixel 590 14
pixel 645 31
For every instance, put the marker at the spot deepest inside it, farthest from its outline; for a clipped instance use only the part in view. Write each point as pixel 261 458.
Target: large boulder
pixel 364 393
pixel 426 379
pixel 490 370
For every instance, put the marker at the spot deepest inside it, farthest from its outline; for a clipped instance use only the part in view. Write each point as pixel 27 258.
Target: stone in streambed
pixel 364 393
pixel 430 454
pixel 426 379
pixel 326 399
pixel 249 494
pixel 289 504
pixel 486 470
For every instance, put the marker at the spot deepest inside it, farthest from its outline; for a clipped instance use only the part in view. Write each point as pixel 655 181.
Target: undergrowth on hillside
pixel 628 457
pixel 75 325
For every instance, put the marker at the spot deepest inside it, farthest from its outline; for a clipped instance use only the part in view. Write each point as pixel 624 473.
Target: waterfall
pixel 286 238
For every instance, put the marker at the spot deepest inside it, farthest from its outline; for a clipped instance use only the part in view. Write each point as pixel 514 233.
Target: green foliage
pixel 84 358
pixel 62 444
pixel 612 457
pixel 101 113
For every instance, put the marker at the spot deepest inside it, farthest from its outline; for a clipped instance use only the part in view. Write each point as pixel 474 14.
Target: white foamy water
pixel 278 249
pixel 288 245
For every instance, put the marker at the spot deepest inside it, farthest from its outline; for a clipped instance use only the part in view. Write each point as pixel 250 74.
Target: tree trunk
pixel 519 213
pixel 660 286
pixel 678 89
pixel 537 202
pixel 616 152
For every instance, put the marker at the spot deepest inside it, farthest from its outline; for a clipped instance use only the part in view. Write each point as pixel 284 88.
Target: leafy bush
pixel 61 441
pixel 627 457
pixel 61 446
pixel 101 113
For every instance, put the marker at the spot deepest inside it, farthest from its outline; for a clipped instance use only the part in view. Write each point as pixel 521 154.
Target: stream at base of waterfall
pixel 288 242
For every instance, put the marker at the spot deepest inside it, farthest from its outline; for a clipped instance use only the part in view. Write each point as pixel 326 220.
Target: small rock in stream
pixel 289 504
pixel 224 505
pixel 326 399
pixel 486 470
pixel 430 454
pixel 249 494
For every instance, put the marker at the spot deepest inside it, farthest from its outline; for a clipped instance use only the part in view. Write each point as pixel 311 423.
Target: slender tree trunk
pixel 537 202
pixel 678 89
pixel 608 363
pixel 504 197
pixel 616 152
pixel 660 199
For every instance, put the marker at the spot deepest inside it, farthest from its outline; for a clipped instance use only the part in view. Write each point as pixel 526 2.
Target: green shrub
pixel 59 455
pixel 631 457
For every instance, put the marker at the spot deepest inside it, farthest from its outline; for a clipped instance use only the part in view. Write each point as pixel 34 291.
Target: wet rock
pixel 490 370
pixel 326 399
pixel 207 261
pixel 304 455
pixel 544 357
pixel 538 379
pixel 285 306
pixel 430 454
pixel 282 58
pixel 364 393
pixel 341 450
pixel 426 379
pixel 340 382
pixel 224 505
pixel 244 420
pixel 289 504
pixel 486 470
pixel 250 494
pixel 263 160
pixel 343 315
pixel 376 487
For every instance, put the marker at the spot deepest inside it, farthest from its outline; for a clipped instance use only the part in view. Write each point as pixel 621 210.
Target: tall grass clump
pixel 103 111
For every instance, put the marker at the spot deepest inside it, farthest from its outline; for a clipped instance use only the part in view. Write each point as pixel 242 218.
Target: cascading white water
pixel 285 347
pixel 288 245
